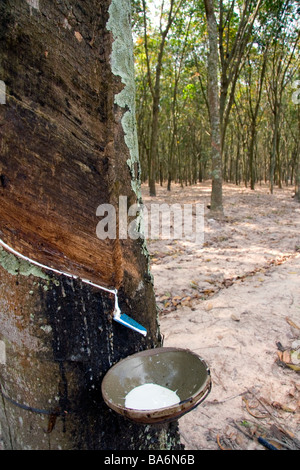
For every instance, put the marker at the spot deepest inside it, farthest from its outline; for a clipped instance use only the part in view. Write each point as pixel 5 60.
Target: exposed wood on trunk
pixel 58 154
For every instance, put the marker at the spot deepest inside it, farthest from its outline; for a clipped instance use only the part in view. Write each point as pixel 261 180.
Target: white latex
pixel 150 397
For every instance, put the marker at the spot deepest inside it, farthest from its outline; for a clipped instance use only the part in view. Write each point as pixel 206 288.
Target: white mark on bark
pixel 66 24
pixel 2 92
pixel 33 4
pixel 2 353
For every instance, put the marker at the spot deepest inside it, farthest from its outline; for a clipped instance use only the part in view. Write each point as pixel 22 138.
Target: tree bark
pixel 214 109
pixel 68 144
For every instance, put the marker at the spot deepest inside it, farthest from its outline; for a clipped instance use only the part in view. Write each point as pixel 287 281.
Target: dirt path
pixel 236 302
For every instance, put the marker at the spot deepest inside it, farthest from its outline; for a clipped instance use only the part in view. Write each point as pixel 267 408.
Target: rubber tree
pixel 254 91
pixel 155 83
pixel 297 189
pixel 214 108
pixel 67 147
pixel 280 74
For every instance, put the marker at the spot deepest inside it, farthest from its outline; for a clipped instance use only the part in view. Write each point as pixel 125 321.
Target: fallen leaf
pixel 209 307
pixel 279 406
pixel 208 292
pixel 235 317
pixel 164 297
pixel 186 303
pixel 287 409
pixel 220 445
pixel 250 412
pixel 290 322
pixel 294 367
pixel 295 357
pixel 286 357
pixel 78 36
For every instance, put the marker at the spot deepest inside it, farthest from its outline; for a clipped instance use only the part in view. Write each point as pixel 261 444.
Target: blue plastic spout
pixel 127 321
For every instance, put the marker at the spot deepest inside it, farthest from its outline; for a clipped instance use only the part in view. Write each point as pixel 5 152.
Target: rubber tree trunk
pixel 298 159
pixel 214 110
pixel 68 145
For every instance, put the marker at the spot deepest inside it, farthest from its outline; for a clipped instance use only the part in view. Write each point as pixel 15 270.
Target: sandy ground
pixel 235 301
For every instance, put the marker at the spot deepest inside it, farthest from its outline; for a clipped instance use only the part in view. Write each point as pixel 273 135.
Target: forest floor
pixel 235 301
